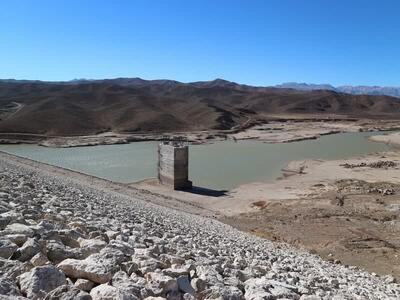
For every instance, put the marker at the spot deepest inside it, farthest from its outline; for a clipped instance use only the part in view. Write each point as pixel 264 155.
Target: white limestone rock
pixel 161 285
pixel 13 268
pixel 4 297
pixel 257 289
pixel 97 267
pixel 7 248
pixel 92 270
pixel 122 282
pixel 188 297
pixel 310 297
pixel 29 249
pixel 138 280
pixel 10 217
pixel 127 249
pixel 232 293
pixel 70 237
pixel 67 292
pixel 57 252
pixel 209 274
pixel 91 246
pixel 39 260
pixel 18 239
pixel 111 234
pixel 18 228
pixel 198 284
pixel 108 292
pixel 41 280
pixel 176 271
pixel 148 264
pixel 84 284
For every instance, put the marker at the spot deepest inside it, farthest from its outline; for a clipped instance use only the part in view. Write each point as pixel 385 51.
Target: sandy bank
pixel 391 139
pixel 298 130
pixel 301 179
pixel 310 179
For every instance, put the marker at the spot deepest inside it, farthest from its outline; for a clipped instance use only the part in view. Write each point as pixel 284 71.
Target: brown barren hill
pixel 137 105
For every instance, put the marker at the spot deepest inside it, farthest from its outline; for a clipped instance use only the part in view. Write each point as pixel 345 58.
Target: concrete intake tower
pixel 173 165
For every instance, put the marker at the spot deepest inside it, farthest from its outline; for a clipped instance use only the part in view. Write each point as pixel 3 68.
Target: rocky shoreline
pixel 65 240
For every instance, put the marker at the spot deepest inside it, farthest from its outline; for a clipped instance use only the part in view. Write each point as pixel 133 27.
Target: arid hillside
pixel 136 105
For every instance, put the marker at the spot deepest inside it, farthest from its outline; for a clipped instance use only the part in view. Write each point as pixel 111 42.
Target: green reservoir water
pixel 222 165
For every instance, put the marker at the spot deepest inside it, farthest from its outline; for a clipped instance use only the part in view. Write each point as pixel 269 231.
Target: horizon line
pixel 210 80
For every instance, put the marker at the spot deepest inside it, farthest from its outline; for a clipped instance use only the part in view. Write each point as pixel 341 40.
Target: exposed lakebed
pixel 222 165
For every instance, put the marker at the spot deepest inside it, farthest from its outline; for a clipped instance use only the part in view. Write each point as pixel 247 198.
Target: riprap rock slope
pixel 63 240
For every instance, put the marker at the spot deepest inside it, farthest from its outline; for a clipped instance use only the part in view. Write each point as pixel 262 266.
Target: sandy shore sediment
pixel 390 139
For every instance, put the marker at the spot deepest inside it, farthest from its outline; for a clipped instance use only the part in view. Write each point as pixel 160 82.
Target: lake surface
pixel 223 165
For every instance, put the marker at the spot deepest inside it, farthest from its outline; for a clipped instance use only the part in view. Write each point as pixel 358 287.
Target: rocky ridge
pixel 30 110
pixel 63 240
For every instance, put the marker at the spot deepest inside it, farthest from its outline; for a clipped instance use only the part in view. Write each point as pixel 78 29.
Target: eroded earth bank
pixel 278 129
pixel 64 238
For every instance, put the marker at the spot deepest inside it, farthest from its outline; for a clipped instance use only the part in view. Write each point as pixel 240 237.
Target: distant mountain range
pixel 348 89
pixel 83 106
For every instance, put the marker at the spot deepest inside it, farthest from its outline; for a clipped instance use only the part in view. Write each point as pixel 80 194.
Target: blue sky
pixel 253 42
